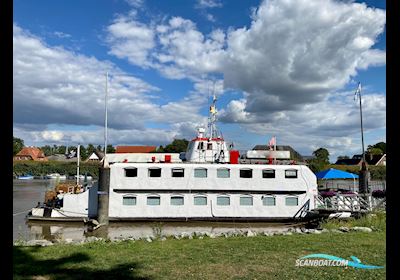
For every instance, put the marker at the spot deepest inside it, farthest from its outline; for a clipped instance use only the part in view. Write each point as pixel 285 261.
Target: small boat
pixel 25 177
pixel 82 177
pixel 56 176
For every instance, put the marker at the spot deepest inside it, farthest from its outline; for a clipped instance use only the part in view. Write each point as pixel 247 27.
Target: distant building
pixel 378 160
pixel 31 153
pixel 96 156
pixel 135 149
pixel 293 153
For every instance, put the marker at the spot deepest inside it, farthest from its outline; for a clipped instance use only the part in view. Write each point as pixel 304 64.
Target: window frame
pixel 176 196
pixel 245 169
pixel 200 196
pixel 291 177
pixel 268 196
pixel 153 196
pixel 268 169
pixel 246 196
pixel 177 168
pixel 199 168
pixel 224 196
pixel 130 197
pixel 131 169
pixel 154 168
pixel 288 197
pixel 225 169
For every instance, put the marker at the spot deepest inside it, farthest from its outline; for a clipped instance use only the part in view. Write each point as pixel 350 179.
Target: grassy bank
pixel 37 168
pixel 376 220
pixel 260 257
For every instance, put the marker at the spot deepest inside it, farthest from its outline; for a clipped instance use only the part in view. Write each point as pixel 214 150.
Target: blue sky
pixel 280 67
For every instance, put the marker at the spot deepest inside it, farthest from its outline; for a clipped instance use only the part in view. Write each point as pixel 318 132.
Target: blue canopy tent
pixel 332 173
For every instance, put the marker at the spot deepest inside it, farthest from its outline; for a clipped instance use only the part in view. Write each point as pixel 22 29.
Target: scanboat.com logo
pixel 329 260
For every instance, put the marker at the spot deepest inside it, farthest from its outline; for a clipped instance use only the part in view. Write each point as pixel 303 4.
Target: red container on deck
pixel 234 156
pixel 167 158
pixel 153 159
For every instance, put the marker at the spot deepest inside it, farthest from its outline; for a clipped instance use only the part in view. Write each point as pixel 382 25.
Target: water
pixel 26 194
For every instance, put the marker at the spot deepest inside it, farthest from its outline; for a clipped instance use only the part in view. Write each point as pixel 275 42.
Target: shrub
pixel 327 193
pixel 379 193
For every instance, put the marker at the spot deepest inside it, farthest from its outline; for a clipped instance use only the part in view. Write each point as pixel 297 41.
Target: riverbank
pixel 40 169
pixel 257 257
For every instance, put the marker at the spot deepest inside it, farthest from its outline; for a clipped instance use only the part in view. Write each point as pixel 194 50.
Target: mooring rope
pixel 19 213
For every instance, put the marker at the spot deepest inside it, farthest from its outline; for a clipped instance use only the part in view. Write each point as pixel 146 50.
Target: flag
pixel 272 142
pixel 358 91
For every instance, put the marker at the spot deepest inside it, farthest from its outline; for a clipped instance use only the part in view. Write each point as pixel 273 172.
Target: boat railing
pixel 350 202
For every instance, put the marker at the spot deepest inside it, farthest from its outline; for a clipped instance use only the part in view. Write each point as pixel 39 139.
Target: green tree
pixel 46 150
pixel 159 150
pixel 110 149
pixel 177 146
pixel 18 144
pixel 322 155
pixel 61 149
pixel 99 148
pixel 374 151
pixel 83 152
pixel 90 149
pixel 321 160
pixel 380 145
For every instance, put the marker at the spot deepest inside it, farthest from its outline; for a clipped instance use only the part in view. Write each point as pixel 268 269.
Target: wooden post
pixel 103 195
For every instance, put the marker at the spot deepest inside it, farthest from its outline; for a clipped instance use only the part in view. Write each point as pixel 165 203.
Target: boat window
pixel 153 200
pixel 223 173
pixel 154 172
pixel 223 200
pixel 130 172
pixel 268 173
pixel 178 172
pixel 292 201
pixel 246 200
pixel 200 146
pixel 209 146
pixel 200 172
pixel 129 200
pixel 177 200
pixel 291 173
pixel 200 200
pixel 269 201
pixel 246 173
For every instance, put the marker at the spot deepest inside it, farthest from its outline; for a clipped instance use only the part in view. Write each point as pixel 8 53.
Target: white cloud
pixel 135 3
pixel 204 4
pixel 132 40
pixel 296 51
pixel 62 35
pixel 69 90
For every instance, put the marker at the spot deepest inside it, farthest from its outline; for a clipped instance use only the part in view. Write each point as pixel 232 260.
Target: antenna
pixel 213 116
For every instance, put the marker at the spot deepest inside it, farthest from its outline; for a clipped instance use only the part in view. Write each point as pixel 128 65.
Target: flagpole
pixel 274 149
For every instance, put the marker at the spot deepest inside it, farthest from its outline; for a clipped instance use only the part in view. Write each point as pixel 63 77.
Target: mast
pixel 361 120
pixel 77 168
pixel 105 120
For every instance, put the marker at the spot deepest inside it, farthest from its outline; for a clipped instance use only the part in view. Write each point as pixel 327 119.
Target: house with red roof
pixel 31 153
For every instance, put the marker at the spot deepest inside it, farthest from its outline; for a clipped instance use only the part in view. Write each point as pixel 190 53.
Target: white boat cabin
pixel 209 191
